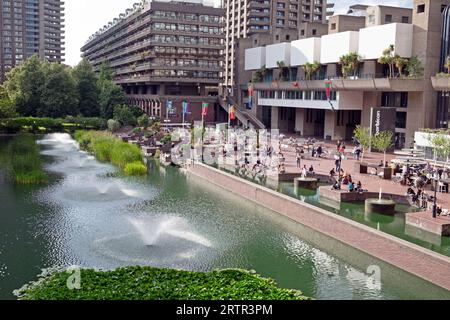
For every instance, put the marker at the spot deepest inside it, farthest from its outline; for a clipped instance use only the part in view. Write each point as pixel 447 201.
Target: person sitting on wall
pixel 311 169
pixel 319 151
pixel 336 186
pixel 351 187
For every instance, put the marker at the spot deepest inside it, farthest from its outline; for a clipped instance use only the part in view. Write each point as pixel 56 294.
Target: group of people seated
pixel 345 179
pixel 419 198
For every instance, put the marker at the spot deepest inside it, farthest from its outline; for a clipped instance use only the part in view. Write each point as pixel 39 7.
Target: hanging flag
pixel 185 107
pixel 328 87
pixel 232 112
pixel 205 107
pixel 250 97
pixel 296 85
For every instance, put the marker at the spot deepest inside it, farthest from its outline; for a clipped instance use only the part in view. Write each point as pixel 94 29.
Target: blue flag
pixel 185 107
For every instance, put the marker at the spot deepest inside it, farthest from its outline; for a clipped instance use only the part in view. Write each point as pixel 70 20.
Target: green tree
pixel 111 95
pixel 311 69
pixel 350 63
pixel 7 108
pixel 124 115
pixel 362 134
pixel 447 64
pixel 113 125
pixel 143 121
pixel 383 141
pixel 400 64
pixel 388 58
pixel 59 96
pixel 414 67
pixel 440 142
pixel 87 89
pixel 24 86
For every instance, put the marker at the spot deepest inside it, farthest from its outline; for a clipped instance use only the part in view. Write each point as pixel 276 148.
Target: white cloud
pixel 341 6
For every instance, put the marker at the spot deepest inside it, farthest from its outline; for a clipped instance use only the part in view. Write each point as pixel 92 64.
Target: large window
pixel 394 99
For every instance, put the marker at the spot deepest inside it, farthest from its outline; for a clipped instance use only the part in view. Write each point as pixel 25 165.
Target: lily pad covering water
pixel 147 283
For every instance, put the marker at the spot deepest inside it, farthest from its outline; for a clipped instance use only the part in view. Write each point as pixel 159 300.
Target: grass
pixel 23 161
pixel 106 147
pixel 147 283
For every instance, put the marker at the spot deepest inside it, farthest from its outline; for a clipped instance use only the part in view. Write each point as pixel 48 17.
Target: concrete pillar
pixel 330 124
pixel 331 70
pixel 300 120
pixel 275 118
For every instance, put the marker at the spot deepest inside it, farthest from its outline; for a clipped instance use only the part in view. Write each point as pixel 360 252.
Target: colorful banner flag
pixel 328 87
pixel 250 97
pixel 185 107
pixel 232 112
pixel 205 107
pixel 296 85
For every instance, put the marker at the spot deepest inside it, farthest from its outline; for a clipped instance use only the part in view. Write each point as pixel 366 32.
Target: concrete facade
pixel 164 54
pixel 415 33
pixel 28 28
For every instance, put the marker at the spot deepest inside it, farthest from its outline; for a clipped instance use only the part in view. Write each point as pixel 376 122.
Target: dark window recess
pixel 333 26
pixel 394 99
pixel 314 32
pixel 421 8
pixel 388 18
pixel 405 19
pixel 302 32
pixel 400 121
pixel 287 37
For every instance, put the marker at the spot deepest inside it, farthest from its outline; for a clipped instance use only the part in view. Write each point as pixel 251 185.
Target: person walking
pixel 299 159
pixel 338 163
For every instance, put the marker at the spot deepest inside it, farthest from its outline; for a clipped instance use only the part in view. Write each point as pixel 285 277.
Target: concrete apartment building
pixel 298 104
pixel 30 27
pixel 267 21
pixel 165 54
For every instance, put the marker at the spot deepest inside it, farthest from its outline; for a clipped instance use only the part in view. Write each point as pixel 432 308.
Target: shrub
pixel 113 125
pixel 135 169
pixel 143 121
pixel 23 161
pixel 147 283
pixel 167 138
pixel 107 147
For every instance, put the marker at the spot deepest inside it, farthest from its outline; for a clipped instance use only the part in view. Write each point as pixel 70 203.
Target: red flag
pixel 232 112
pixel 328 86
pixel 205 107
pixel 296 85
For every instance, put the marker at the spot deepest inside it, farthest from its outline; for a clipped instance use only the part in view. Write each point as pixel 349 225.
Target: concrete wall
pixel 421 262
pixel 374 40
pixel 255 58
pixel 305 51
pixel 278 52
pixel 336 45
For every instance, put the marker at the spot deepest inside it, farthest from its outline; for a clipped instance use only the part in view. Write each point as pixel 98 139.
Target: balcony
pixel 441 83
pixel 362 83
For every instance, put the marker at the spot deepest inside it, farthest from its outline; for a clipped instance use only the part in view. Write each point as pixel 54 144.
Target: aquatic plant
pixel 107 147
pixel 135 169
pixel 23 161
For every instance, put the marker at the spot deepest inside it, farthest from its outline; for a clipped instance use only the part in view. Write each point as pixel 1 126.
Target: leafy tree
pixel 7 108
pixel 59 96
pixel 284 71
pixel 143 121
pixel 24 86
pixel 388 58
pixel 414 67
pixel 383 141
pixel 111 95
pixel 440 143
pixel 137 112
pixel 311 69
pixel 124 115
pixel 362 134
pixel 447 64
pixel 400 64
pixel 259 75
pixel 87 89
pixel 113 125
pixel 350 63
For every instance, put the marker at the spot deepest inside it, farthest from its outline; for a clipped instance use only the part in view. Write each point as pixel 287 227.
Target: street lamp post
pixel 435 197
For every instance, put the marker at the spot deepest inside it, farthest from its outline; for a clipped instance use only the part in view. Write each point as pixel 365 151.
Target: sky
pixel 85 17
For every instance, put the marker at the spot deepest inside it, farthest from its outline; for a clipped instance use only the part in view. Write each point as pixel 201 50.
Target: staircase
pixel 244 116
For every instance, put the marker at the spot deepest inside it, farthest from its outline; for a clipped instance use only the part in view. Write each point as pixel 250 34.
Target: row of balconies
pixel 153 65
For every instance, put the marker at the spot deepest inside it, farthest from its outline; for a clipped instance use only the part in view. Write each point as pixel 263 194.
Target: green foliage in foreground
pixel 106 147
pixel 22 161
pixel 45 125
pixel 135 169
pixel 146 283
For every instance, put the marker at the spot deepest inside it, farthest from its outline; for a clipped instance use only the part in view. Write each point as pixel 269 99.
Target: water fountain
pixel 305 183
pixel 380 205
